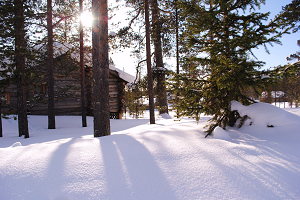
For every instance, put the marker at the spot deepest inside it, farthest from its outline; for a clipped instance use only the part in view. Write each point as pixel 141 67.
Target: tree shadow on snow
pixel 131 171
pixel 120 125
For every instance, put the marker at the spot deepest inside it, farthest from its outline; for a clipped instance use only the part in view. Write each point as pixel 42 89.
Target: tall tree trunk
pixel 100 69
pixel 51 111
pixel 149 70
pixel 82 74
pixel 0 119
pixel 160 70
pixel 177 37
pixel 177 51
pixel 20 68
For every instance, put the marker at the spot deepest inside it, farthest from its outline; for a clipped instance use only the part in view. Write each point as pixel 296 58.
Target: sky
pixel 277 56
pixel 278 53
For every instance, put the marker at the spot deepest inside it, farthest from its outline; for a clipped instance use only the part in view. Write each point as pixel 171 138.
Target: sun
pixel 86 18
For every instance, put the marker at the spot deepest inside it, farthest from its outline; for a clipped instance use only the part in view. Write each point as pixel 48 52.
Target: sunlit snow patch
pixel 219 133
pixel 16 144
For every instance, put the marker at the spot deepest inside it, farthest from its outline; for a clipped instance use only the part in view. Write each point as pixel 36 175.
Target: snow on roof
pixel 123 75
pixel 62 48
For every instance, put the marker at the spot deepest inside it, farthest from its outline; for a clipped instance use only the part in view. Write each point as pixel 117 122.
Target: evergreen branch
pixel 135 17
pixel 138 66
pixel 212 127
pixel 60 20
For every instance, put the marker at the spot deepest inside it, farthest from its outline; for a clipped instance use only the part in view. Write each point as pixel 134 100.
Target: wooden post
pixel 100 68
pixel 149 70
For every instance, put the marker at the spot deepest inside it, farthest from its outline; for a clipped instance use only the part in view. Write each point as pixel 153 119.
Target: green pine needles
pixel 220 35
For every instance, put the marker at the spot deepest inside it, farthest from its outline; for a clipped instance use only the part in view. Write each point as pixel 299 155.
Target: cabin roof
pixel 123 75
pixel 60 49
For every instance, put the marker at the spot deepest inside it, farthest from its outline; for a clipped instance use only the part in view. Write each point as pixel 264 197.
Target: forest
pixel 212 42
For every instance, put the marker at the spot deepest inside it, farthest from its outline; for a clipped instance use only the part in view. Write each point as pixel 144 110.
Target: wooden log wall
pixel 67 95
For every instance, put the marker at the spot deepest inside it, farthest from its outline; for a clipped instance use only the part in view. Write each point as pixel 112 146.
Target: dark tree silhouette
pixel 0 119
pixel 159 69
pixel 149 70
pixel 20 68
pixel 100 69
pixel 82 74
pixel 51 111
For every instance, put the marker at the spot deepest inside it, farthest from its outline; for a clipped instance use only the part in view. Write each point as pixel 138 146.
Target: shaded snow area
pixel 167 160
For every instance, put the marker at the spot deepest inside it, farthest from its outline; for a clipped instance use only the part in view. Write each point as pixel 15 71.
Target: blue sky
pixel 278 53
pixel 277 56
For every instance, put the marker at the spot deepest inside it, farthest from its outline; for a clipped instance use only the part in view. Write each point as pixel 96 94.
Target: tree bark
pixel 51 111
pixel 160 70
pixel 177 52
pixel 82 74
pixel 177 37
pixel 149 70
pixel 0 119
pixel 20 68
pixel 100 69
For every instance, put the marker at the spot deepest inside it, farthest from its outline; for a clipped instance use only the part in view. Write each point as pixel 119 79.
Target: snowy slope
pixel 167 160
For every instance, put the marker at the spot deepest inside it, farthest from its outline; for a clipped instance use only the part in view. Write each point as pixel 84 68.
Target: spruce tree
pixel 222 36
pixel 13 41
pixel 289 17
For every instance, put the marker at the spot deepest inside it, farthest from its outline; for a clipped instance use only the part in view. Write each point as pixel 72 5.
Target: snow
pixel 266 114
pixel 123 75
pixel 60 49
pixel 220 133
pixel 167 160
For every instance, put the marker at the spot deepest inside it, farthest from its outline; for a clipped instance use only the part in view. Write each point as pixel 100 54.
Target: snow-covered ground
pixel 167 160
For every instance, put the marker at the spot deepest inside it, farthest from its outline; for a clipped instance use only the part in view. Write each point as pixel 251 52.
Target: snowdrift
pixel 167 160
pixel 266 114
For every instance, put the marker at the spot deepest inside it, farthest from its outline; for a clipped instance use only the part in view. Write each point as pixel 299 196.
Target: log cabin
pixel 67 90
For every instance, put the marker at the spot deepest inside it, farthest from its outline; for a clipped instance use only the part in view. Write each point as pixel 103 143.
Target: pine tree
pixel 159 69
pixel 135 95
pixel 149 70
pixel 82 73
pixel 13 52
pixel 20 67
pixel 0 119
pixel 126 36
pixel 289 17
pixel 100 69
pixel 222 36
pixel 51 111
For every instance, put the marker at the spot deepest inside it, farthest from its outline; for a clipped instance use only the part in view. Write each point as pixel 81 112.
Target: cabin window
pixel 5 98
